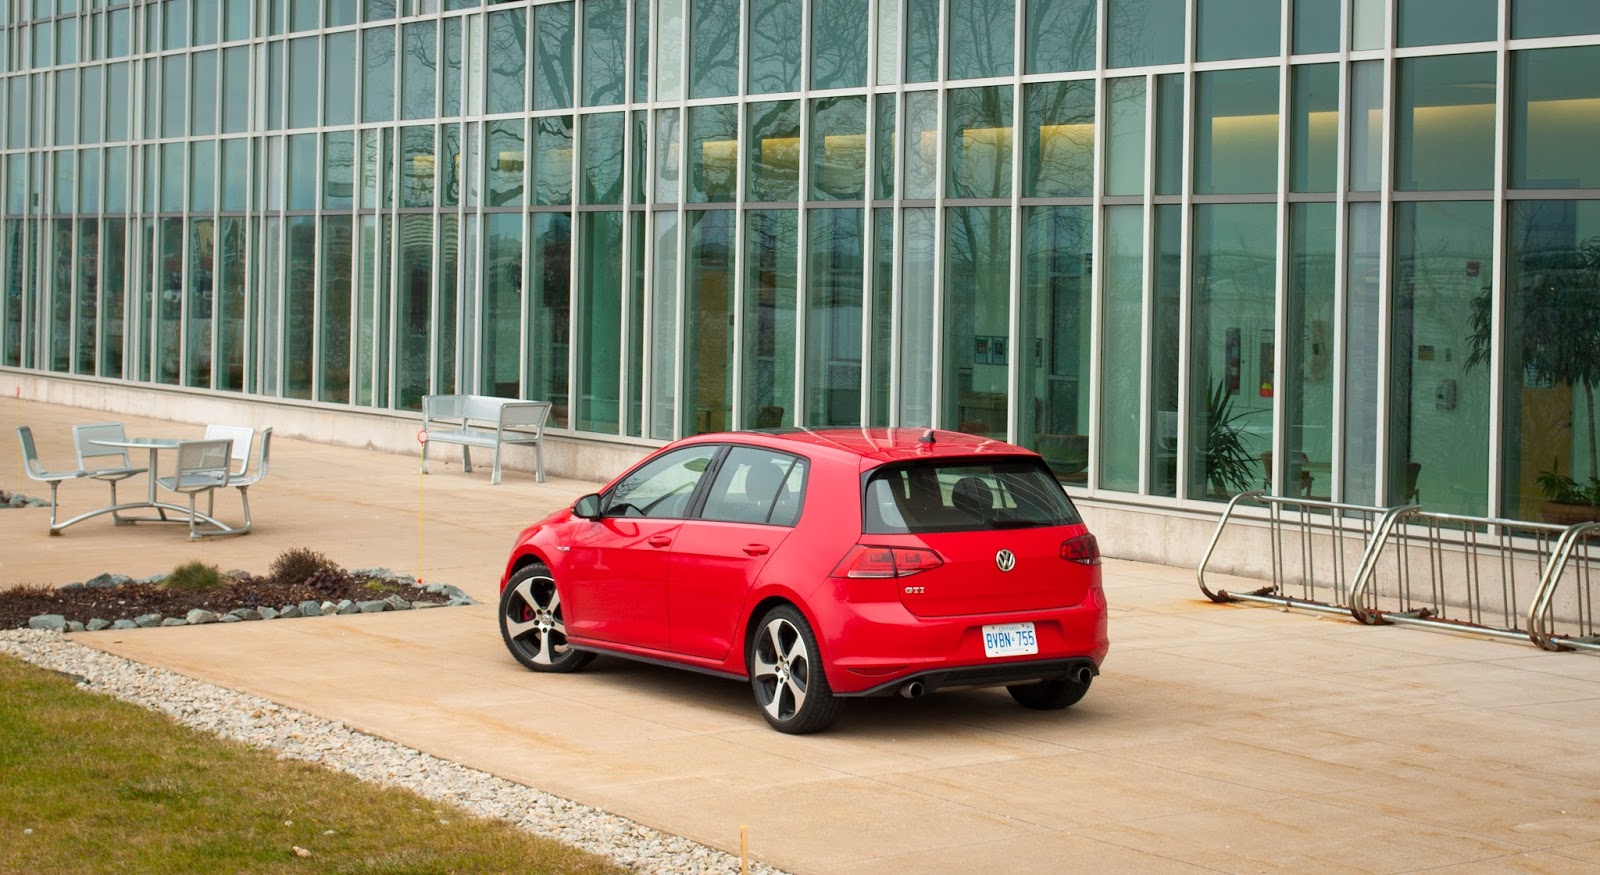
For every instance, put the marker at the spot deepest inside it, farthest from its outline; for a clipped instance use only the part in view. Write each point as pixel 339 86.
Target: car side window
pixel 663 486
pixel 757 486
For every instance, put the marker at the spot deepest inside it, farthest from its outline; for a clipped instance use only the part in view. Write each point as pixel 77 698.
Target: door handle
pixel 660 540
pixel 756 549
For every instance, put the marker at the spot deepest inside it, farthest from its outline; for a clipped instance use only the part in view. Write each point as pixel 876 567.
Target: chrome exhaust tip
pixel 912 690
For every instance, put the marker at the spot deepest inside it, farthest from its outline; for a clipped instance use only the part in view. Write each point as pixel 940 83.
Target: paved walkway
pixel 1224 738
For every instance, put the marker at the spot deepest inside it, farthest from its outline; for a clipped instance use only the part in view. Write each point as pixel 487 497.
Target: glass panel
pixel 883 146
pixel 450 89
pixel 507 52
pixel 1555 118
pixel 552 56
pixel 977 320
pixel 333 335
pixel 1306 384
pixel 1434 22
pixel 605 51
pixel 881 317
pixel 1144 32
pixel 1552 327
pixel 550 311
pixel 505 164
pixel 922 145
pixel 839 31
pixel 774 46
pixel 417 164
pixel 1366 125
pixel 1060 35
pixel 600 323
pixel 60 324
pixel 641 52
pixel 89 178
pixel 919 277
pixel 116 189
pixel 667 157
pixel 767 351
pixel 1438 405
pixel 110 312
pixel 338 170
pixel 236 24
pixel 552 160
pixel 303 172
pixel 1445 133
pixel 602 162
pixel 1057 294
pixel 1368 20
pixel 1536 18
pixel 421 70
pixel 1236 132
pixel 885 42
pixel 445 321
pixel 1169 134
pixel 713 153
pixel 202 103
pixel 172 178
pixel 635 309
pixel 303 85
pixel 1060 129
pixel 638 157
pixel 202 175
pixel 839 148
pixel 833 317
pixel 773 168
pixel 979 150
pixel 922 40
pixel 499 338
pixel 197 320
pixel 299 304
pixel 669 49
pixel 173 82
pixel 1231 371
pixel 229 303
pixel 1314 128
pixel 236 88
pixel 713 48
pixel 708 312
pixel 1228 29
pixel 378 70
pixel 1164 344
pixel 981 38
pixel 86 261
pixel 1316 26
pixel 372 10
pixel 1125 136
pixel 664 326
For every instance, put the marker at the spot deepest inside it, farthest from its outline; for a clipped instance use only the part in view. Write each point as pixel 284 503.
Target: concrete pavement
pixel 1224 738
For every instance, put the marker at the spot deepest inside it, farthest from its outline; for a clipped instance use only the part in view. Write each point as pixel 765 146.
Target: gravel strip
pixel 293 734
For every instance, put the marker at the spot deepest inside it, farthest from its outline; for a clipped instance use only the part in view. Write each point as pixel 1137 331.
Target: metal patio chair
pixel 36 471
pixel 253 475
pixel 243 439
pixel 92 457
pixel 202 466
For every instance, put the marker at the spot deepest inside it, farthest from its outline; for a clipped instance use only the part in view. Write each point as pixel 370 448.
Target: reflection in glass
pixel 109 314
pixel 664 326
pixel 1551 330
pixel 498 341
pixel 1166 317
pixel 417 164
pixel 839 31
pixel 919 277
pixel 552 160
pixel 507 60
pixel 881 316
pixel 333 338
pixel 977 320
pixel 202 101
pixel 1555 118
pixel 601 160
pixel 772 171
pixel 1125 136
pixel 1122 350
pixel 1232 378
pixel 1060 130
pixel 1314 128
pixel 552 56
pixel 1057 295
pixel 1366 125
pixel 1144 32
pixel 921 156
pixel 981 38
pixel 1435 22
pixel 708 313
pixel 549 311
pixel 713 153
pixel 922 40
pixel 713 48
pixel 338 83
pixel 1306 389
pixel 228 299
pixel 839 148
pixel 883 146
pixel 1438 403
pixel 1169 134
pixel 1236 131
pixel 444 329
pixel 505 163
pixel 767 350
pixel 1316 27
pixel 1368 20
pixel 775 29
pixel 635 314
pixel 1536 18
pixel 86 263
pixel 599 323
pixel 669 49
pixel 377 74
pixel 668 161
pixel 421 67
pixel 1060 35
pixel 605 47
pixel 979 147
pixel 1444 135
pixel 833 317
pixel 1228 29
pixel 299 306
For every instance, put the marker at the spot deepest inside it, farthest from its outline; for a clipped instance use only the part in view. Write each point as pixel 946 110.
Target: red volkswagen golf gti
pixel 821 565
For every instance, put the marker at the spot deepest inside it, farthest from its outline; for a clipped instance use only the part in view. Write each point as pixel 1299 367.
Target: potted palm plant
pixel 1230 466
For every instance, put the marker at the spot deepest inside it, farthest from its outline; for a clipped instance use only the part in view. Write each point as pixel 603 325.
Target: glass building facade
pixel 1163 242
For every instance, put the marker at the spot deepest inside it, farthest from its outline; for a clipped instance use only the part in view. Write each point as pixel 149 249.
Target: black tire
pixel 532 624
pixel 1050 695
pixel 787 675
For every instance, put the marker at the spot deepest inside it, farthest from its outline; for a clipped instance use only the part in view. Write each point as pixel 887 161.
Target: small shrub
pixel 193 577
pixel 328 582
pixel 28 590
pixel 299 565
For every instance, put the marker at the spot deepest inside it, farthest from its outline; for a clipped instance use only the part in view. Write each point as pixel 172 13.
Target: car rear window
pixel 963 495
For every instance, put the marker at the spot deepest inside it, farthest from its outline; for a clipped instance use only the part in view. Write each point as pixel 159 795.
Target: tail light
pixel 865 561
pixel 1084 550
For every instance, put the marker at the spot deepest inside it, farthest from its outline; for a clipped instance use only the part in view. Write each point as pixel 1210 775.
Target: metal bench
pixel 483 421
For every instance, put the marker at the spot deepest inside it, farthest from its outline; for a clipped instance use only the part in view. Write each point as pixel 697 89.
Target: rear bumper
pixel 985 676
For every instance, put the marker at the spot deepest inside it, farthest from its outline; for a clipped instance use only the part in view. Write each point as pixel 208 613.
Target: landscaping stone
pixel 97 624
pixel 174 621
pixel 107 580
pixel 200 617
pixel 229 618
pixel 148 620
pixel 124 624
pixel 309 608
pixel 48 622
pixel 397 603
pixel 329 608
pixel 269 613
pixel 347 607
pixel 372 607
pixel 245 614
pixel 74 626
pixel 289 612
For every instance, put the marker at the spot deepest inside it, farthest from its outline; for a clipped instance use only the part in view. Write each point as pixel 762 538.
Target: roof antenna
pixel 927 437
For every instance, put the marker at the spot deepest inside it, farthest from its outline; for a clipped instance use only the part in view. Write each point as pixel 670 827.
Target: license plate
pixel 1009 639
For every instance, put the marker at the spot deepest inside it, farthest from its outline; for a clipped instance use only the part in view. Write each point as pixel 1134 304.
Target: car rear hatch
pixel 1002 533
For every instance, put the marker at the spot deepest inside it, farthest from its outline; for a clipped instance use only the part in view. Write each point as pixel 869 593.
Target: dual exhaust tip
pixel 916 689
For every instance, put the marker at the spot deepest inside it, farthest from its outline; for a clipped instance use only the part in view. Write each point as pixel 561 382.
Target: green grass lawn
pixel 110 787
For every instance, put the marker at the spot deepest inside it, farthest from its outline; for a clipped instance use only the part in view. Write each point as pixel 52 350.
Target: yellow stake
pixel 420 492
pixel 744 850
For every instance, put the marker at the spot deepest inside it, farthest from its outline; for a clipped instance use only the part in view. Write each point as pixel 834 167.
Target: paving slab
pixel 1219 738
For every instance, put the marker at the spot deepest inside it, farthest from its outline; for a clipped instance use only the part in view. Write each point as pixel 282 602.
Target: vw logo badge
pixel 1005 560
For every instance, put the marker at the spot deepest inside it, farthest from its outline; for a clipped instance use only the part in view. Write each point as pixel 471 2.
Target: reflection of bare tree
pixel 1061 132
pixel 1060 35
pixel 602 158
pixel 605 47
pixel 713 48
pixel 980 38
pixel 378 73
pixel 922 40
pixel 507 61
pixel 774 46
pixel 774 173
pixel 839 57
pixel 417 183
pixel 713 156
pixel 421 68
pixel 552 149
pixel 552 56
pixel 980 142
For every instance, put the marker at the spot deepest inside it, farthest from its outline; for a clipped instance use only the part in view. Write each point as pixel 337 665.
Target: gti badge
pixel 1005 560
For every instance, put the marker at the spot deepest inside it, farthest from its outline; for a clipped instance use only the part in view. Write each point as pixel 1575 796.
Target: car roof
pixel 877 445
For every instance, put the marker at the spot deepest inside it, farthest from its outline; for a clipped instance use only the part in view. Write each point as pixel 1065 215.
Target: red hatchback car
pixel 821 565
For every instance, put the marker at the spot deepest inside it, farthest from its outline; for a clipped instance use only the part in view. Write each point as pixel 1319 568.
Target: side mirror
pixel 587 507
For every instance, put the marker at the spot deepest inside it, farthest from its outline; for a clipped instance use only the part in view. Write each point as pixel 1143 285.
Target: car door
pixel 617 564
pixel 750 507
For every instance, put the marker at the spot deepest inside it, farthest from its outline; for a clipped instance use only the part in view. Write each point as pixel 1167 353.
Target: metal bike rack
pixel 1577 551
